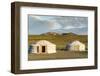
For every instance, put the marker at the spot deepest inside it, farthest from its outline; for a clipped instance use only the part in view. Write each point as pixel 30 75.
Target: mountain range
pixel 56 33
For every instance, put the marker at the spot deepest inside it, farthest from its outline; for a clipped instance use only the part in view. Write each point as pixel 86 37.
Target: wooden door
pixel 43 49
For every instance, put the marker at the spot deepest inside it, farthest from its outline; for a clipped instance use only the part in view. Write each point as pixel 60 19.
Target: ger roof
pixel 43 42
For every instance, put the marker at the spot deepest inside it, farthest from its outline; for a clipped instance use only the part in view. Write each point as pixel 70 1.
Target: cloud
pixel 39 26
pixel 54 25
pixel 42 18
pixel 73 27
pixel 35 17
pixel 81 31
pixel 49 21
pixel 42 24
pixel 69 27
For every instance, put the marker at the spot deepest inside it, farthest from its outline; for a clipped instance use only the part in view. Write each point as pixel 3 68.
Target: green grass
pixel 61 42
pixel 58 55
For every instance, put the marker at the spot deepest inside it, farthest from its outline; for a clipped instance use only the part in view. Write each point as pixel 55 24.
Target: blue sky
pixel 39 24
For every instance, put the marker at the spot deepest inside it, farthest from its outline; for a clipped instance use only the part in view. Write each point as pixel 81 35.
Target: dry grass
pixel 58 55
pixel 61 42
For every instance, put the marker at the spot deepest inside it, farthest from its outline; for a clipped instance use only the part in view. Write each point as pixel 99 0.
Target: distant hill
pixel 51 33
pixel 70 33
pixel 55 33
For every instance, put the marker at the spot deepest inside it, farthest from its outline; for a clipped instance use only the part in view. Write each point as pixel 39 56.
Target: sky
pixel 39 24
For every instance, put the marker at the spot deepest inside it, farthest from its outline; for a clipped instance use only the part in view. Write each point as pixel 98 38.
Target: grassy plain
pixel 61 41
pixel 58 55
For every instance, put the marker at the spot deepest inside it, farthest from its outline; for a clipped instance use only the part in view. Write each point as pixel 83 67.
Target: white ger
pixel 43 46
pixel 76 46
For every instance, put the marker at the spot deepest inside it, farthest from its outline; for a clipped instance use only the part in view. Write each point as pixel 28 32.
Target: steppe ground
pixel 61 42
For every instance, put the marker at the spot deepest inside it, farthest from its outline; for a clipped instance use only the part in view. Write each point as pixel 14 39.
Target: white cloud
pixel 69 27
pixel 37 17
pixel 81 26
pixel 45 22
pixel 55 25
pixel 41 24
pixel 42 18
pixel 73 27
